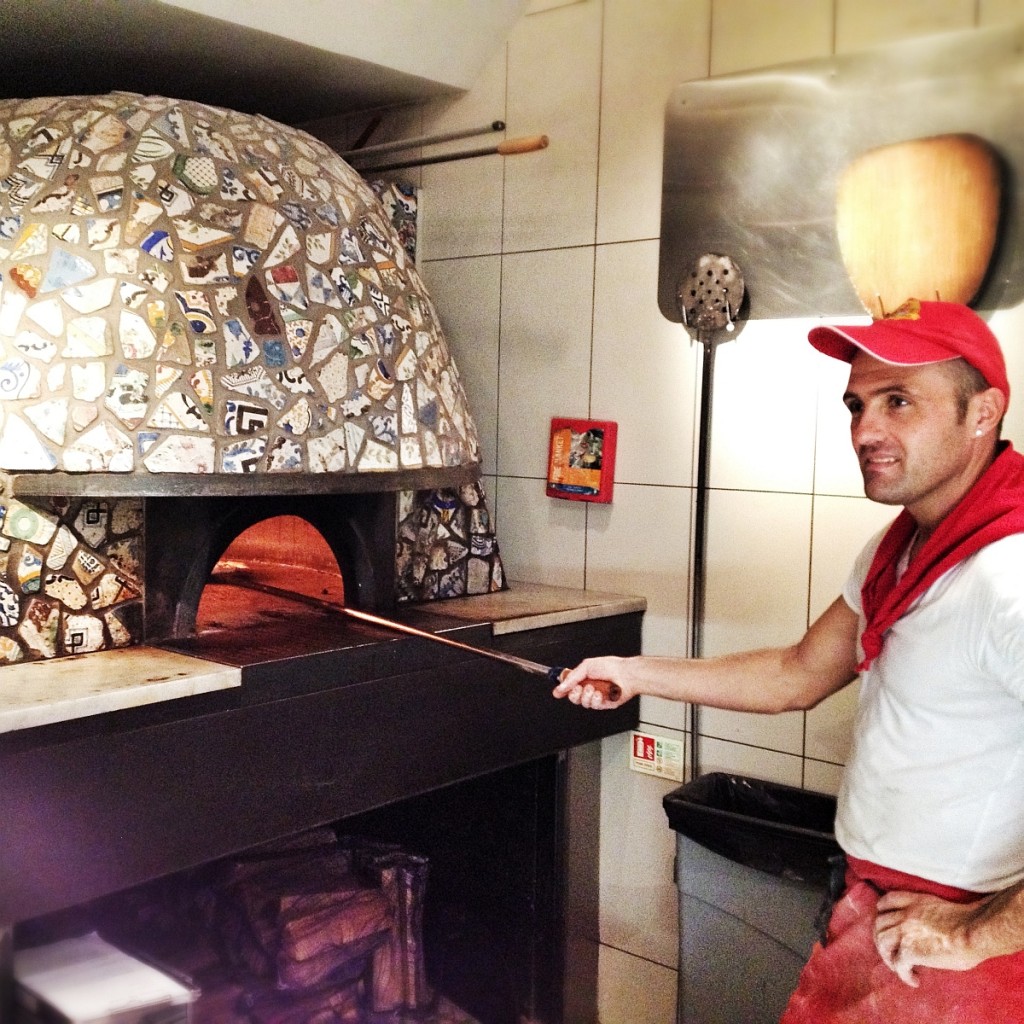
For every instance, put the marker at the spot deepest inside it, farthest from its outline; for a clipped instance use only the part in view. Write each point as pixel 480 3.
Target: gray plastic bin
pixel 752 868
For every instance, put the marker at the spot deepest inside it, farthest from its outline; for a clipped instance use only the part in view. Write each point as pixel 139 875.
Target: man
pixel 931 810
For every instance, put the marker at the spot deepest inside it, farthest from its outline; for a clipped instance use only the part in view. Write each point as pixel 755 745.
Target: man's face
pixel 914 446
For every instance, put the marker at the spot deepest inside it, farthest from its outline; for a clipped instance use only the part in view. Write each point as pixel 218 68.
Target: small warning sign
pixel 655 755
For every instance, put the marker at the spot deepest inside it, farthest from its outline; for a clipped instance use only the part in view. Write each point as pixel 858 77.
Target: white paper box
pixel 86 980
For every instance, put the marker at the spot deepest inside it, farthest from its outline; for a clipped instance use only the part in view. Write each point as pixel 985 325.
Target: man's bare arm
pixel 768 680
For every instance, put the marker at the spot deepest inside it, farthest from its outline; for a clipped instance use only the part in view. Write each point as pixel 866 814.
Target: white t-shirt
pixel 935 781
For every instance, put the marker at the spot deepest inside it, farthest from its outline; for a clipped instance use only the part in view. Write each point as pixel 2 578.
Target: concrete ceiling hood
pixel 292 60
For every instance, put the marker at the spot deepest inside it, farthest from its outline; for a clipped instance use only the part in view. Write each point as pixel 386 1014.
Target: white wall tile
pixel 472 226
pixel 861 24
pixel 842 526
pixel 541 538
pixel 757 33
pixel 644 370
pixel 835 465
pixel 490 486
pixel 463 198
pixel 1000 12
pixel 784 732
pixel 763 408
pixel 739 759
pixel 467 294
pixel 633 991
pixel 638 892
pixel 822 777
pixel 659 712
pixel 536 6
pixel 648 50
pixel 640 544
pixel 830 726
pixel 544 365
pixel 554 88
pixel 1008 326
pixel 758 558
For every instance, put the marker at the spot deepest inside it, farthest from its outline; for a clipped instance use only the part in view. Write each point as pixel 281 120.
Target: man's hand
pixel 914 930
pixel 577 686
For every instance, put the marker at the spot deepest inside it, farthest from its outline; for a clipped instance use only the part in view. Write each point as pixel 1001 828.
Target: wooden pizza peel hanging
pixel 919 220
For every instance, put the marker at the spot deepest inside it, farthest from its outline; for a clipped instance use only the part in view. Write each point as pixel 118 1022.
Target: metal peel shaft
pixel 554 675
pixel 234 577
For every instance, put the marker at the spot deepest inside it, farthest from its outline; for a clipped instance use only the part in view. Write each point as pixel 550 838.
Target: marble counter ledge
pixel 535 606
pixel 35 693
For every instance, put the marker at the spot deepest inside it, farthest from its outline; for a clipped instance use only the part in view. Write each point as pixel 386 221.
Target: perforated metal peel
pixel 710 295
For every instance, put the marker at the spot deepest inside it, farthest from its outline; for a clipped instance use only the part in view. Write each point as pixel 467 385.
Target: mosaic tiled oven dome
pixel 192 290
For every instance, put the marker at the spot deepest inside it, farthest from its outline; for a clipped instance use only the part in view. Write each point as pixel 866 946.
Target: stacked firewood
pixel 325 930
pixel 315 930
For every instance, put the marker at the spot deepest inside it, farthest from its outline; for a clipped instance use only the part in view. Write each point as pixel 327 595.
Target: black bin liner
pixel 765 825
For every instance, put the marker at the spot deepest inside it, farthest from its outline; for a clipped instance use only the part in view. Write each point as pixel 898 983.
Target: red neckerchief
pixel 992 509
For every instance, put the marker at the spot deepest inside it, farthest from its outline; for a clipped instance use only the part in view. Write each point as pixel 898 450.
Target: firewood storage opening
pixel 443 909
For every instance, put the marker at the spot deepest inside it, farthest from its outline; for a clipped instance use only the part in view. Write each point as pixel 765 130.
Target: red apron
pixel 846 981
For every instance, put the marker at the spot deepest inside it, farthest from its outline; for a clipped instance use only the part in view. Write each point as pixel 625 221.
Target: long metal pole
pixel 610 691
pixel 527 144
pixel 423 140
pixel 700 530
pixel 551 673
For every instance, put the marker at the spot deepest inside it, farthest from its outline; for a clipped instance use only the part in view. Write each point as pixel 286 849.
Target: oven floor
pixel 251 624
pixel 243 626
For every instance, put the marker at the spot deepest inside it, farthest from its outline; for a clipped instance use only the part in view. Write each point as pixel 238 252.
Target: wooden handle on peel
pixel 609 691
pixel 527 144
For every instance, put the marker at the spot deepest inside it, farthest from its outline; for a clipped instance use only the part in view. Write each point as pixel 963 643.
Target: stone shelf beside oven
pixel 46 692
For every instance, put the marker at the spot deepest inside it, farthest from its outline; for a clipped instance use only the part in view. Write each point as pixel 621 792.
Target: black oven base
pixel 95 806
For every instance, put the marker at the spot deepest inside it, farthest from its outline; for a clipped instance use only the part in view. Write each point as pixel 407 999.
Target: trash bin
pixel 752 867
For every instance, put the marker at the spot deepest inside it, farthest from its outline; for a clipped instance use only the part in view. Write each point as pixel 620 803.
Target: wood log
pixel 365 913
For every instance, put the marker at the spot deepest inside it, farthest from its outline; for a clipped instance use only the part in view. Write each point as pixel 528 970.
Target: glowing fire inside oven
pixel 283 559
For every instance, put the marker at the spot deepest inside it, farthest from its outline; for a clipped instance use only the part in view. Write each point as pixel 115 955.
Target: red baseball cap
pixel 919 333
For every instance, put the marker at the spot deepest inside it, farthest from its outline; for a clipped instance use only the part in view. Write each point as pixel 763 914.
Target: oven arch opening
pixel 186 538
pixel 284 555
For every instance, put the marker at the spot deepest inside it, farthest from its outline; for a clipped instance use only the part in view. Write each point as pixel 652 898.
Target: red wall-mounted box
pixel 581 459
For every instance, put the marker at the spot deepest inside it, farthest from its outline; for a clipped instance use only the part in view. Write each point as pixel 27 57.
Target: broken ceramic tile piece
pixel 178 412
pixel 48 315
pixel 64 270
pixel 50 418
pixel 88 380
pixel 19 379
pixel 126 395
pixel 39 627
pixel 182 454
pixel 82 634
pixel 243 456
pixel 285 456
pixel 28 343
pixel 103 449
pixel 88 298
